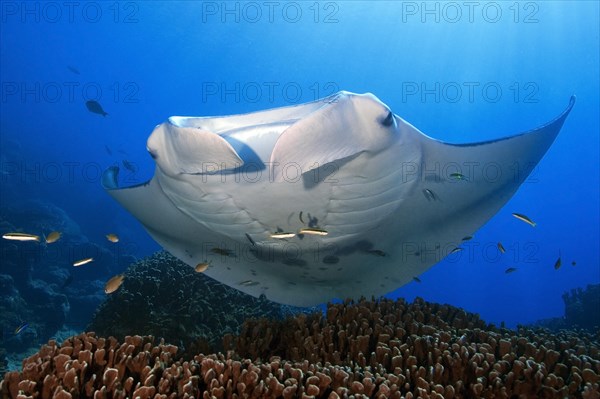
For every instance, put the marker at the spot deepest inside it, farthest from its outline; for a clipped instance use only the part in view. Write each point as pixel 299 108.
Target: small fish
pixel 501 247
pixel 282 234
pixel 558 262
pixel 83 262
pixel 73 69
pixel 377 252
pixel 114 283
pixel 416 279
pixel 467 238
pixel 248 283
pixel 312 221
pixel 290 216
pixel 250 239
pixel 510 270
pixel 315 231
pixel 21 327
pixel 429 195
pixel 525 219
pixel 573 263
pixel 222 251
pixel 21 237
pixel 458 176
pixel 95 107
pixel 53 237
pixel 455 250
pixel 112 237
pixel 201 267
pixel 129 166
pixel 463 339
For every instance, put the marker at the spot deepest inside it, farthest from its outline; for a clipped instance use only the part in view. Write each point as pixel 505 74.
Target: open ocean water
pixel 83 84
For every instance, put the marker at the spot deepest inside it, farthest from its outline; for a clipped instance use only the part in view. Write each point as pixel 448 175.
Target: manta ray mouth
pixel 255 146
pixel 252 144
pixel 254 136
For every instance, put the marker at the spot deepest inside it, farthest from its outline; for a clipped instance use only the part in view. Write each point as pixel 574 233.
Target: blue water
pixel 458 73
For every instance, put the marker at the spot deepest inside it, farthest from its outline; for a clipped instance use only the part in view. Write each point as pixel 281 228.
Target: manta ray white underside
pixel 385 201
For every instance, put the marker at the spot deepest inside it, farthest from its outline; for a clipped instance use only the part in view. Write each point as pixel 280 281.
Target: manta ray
pixel 335 198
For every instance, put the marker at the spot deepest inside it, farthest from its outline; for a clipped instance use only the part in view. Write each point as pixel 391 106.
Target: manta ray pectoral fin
pixel 179 149
pixel 522 151
pixel 494 170
pixel 342 128
pixel 147 202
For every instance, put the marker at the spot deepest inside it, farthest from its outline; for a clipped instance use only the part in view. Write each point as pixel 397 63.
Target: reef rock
pixel 164 297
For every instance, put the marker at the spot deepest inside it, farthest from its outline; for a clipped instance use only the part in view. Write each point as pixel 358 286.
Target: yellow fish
pixel 114 283
pixel 525 219
pixel 83 262
pixel 316 232
pixel 201 267
pixel 21 237
pixel 112 237
pixel 53 237
pixel 282 235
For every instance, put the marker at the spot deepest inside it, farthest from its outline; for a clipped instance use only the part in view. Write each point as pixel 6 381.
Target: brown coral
pixel 367 349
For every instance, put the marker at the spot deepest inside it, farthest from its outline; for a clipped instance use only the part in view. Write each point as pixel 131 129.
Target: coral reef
pixel 166 298
pixel 38 284
pixel 582 310
pixel 582 307
pixel 379 349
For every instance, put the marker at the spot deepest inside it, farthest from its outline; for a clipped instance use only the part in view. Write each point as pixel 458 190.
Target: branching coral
pixel 366 349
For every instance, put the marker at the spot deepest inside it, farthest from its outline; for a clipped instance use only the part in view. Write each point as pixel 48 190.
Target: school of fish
pixel 113 284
